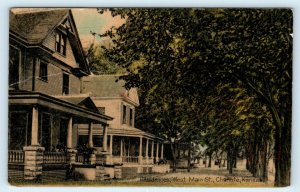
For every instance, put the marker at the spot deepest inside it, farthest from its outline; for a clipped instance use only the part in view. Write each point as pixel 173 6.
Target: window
pixel 131 117
pixel 19 133
pixel 62 139
pixel 43 71
pixel 124 114
pixel 60 43
pixel 14 64
pixel 101 110
pixel 65 84
pixel 45 131
pixel 97 140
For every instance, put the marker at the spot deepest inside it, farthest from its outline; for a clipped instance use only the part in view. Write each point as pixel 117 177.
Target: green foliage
pixel 210 74
pixel 99 64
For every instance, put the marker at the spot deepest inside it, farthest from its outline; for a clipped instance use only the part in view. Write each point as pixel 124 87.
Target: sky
pixel 88 19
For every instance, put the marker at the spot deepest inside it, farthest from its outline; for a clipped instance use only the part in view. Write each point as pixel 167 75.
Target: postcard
pixel 177 97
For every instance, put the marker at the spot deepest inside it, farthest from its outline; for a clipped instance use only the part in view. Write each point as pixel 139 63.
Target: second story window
pixel 124 115
pixel 43 71
pixel 101 110
pixel 131 117
pixel 65 88
pixel 60 43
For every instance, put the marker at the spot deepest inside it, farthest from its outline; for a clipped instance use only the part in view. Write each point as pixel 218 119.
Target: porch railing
pixel 79 158
pixel 130 159
pixel 145 161
pixel 100 159
pixel 55 157
pixel 15 156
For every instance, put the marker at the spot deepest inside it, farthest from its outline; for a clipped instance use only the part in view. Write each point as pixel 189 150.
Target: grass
pixel 121 183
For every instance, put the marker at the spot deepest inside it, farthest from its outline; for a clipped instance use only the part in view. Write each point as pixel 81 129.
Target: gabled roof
pixel 85 102
pixel 33 27
pixel 107 86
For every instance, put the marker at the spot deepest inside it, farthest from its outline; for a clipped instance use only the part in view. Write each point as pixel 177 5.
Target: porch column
pixel 140 151
pixel 162 151
pixel 71 155
pixel 152 152
pixel 104 144
pixel 121 148
pixel 91 135
pixel 33 154
pixel 35 126
pixel 91 144
pixel 111 144
pixel 69 133
pixel 147 145
pixel 157 148
pixel 109 154
pixel 128 149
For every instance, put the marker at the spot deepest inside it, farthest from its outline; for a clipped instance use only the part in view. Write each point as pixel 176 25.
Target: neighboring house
pixel 46 67
pixel 127 145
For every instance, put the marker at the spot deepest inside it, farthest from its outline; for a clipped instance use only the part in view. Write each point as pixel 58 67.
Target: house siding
pixel 75 84
pixel 69 58
pixel 25 82
pixel 114 108
pixel 53 86
pixel 55 81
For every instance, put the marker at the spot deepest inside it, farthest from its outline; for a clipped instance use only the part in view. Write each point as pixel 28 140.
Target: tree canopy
pixel 179 57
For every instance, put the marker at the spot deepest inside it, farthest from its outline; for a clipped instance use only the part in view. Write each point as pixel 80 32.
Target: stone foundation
pixel 118 171
pixel 161 168
pixel 33 162
pixel 100 172
pixel 71 156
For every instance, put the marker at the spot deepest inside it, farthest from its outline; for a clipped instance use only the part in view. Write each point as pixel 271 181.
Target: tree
pixel 184 52
pixel 99 64
pixel 254 47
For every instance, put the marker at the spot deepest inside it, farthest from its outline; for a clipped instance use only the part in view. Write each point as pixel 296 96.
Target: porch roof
pixel 18 97
pixel 130 131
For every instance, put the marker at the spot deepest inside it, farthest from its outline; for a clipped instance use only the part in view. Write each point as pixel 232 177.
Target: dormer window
pixel 60 43
pixel 65 88
pixel 43 71
pixel 131 117
pixel 124 114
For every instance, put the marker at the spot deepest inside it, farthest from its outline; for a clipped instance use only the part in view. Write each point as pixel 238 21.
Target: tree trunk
pixel 282 157
pixel 173 149
pixel 230 160
pixel 264 171
pixel 255 163
pixel 282 152
pixel 209 161
pixel 234 160
pixel 189 157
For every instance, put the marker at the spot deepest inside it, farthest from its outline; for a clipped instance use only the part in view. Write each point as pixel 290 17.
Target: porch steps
pixel 54 175
pixel 15 174
pixel 129 172
pixel 15 171
pixel 100 174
